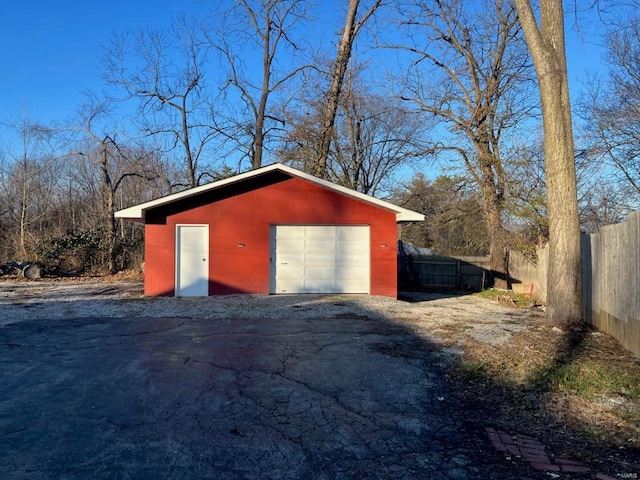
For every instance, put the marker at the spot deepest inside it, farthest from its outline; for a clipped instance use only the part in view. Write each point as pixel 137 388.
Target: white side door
pixel 192 260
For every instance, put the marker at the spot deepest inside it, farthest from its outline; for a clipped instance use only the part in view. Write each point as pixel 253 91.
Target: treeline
pixel 399 92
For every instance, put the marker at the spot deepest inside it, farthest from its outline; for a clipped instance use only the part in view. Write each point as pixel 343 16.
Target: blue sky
pixel 51 50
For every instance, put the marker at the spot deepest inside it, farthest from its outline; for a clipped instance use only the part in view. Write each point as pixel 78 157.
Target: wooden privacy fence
pixel 440 272
pixel 528 276
pixel 611 269
pixel 611 279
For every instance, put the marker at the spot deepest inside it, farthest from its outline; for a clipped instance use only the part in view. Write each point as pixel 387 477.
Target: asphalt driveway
pixel 139 398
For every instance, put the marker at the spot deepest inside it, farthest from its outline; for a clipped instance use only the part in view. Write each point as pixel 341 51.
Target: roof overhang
pixel 137 212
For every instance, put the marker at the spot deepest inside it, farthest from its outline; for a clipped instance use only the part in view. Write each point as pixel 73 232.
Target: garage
pixel 272 230
pixel 320 259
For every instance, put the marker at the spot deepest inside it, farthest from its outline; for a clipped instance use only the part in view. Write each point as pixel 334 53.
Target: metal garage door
pixel 320 259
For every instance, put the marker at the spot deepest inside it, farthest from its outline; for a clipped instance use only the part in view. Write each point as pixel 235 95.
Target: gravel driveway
pixel 427 315
pixel 100 382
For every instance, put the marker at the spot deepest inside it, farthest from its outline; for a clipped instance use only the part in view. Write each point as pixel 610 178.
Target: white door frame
pixel 201 288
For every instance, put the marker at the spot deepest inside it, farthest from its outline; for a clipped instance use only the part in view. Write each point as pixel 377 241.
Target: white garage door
pixel 319 259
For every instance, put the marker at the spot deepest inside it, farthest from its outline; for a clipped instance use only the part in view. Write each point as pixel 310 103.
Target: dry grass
pixel 575 388
pixel 122 276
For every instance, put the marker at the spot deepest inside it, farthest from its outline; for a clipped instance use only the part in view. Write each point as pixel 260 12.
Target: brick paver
pixel 534 452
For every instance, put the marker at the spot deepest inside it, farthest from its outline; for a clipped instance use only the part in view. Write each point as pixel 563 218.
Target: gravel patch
pixel 444 318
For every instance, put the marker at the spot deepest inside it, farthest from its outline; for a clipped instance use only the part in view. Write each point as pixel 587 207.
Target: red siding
pixel 246 218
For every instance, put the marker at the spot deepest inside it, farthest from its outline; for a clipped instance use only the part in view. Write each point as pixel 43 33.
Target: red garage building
pixel 271 230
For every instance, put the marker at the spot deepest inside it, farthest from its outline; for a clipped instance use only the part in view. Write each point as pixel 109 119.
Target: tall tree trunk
pixel 108 199
pixel 186 142
pixel 345 46
pixel 547 47
pixel 490 178
pixel 492 207
pixel 258 147
pixel 23 217
pixel 256 159
pixel 337 79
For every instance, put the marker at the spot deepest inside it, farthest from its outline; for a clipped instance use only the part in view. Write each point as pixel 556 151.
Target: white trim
pixel 136 212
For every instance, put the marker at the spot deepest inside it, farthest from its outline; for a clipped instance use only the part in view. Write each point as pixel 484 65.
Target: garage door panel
pixel 356 245
pixel 291 258
pixel 354 286
pixel 349 232
pixel 290 271
pixel 346 280
pixel 320 272
pixel 317 287
pixel 288 279
pixel 320 259
pixel 291 244
pixel 321 231
pixel 290 231
pixel 320 245
pixel 351 258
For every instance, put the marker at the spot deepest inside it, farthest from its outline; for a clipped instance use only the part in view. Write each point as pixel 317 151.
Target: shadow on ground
pixel 341 395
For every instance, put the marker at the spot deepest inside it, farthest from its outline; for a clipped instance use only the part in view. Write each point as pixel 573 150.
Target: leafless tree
pixel 172 103
pixel 375 135
pixel 270 27
pixel 471 74
pixel 526 205
pixel 602 205
pixel 545 38
pixel 112 165
pixel 31 175
pixel 611 111
pixel 345 46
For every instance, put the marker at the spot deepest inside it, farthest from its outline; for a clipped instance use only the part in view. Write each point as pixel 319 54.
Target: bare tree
pixel 602 205
pixel 267 26
pixel 471 74
pixel 545 38
pixel 172 103
pixel 343 57
pixel 611 111
pixel 526 207
pixel 102 151
pixel 30 187
pixel 375 136
pixel 4 207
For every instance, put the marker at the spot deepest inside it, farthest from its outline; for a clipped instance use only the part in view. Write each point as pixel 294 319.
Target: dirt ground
pixel 599 428
pixel 497 356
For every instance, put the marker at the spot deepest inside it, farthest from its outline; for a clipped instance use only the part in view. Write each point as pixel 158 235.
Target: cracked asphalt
pixel 341 397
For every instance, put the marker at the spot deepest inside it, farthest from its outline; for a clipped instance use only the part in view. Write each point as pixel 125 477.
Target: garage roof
pixel 137 212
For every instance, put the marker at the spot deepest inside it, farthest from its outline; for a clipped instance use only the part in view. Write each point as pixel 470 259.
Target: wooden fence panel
pixel 529 276
pixel 611 279
pixel 435 271
pixel 611 267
